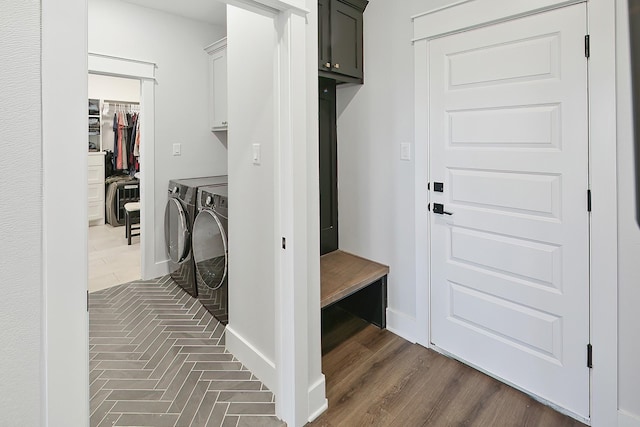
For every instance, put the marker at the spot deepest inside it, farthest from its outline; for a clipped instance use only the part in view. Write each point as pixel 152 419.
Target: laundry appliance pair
pixel 196 218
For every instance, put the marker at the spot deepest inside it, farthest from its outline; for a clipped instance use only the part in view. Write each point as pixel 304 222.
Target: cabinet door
pixel 218 96
pixel 324 35
pixel 95 189
pixel 328 167
pixel 346 40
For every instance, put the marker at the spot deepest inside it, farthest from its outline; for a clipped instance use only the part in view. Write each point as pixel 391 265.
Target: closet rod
pixel 109 101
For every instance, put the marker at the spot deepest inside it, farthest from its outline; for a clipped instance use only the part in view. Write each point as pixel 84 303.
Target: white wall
pixel 628 233
pixel 114 89
pixel 20 216
pixel 253 243
pixel 376 188
pixel 176 45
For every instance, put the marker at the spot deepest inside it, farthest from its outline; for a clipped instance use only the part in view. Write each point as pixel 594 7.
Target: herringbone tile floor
pixel 157 358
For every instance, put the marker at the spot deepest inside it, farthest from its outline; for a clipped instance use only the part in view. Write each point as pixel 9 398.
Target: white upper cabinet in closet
pixel 218 85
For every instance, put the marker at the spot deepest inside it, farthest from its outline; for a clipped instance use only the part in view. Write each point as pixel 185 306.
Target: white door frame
pixel 65 390
pixel 464 15
pixel 145 73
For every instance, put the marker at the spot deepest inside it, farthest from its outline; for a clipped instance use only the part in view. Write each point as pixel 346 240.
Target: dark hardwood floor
pixel 375 378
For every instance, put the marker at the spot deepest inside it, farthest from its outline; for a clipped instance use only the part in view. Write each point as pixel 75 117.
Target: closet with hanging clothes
pixel 122 144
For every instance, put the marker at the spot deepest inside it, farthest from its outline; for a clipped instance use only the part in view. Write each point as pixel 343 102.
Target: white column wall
pixel 21 397
pixel 253 244
pixel 316 380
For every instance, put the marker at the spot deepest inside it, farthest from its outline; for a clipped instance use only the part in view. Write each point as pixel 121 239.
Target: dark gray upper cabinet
pixel 340 47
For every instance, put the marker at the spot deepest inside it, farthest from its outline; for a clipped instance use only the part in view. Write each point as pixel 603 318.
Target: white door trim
pixel 468 14
pixel 145 72
pixel 121 67
pixel 601 15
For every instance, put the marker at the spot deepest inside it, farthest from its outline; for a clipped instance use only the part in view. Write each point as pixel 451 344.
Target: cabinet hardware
pixel 328 65
pixel 337 66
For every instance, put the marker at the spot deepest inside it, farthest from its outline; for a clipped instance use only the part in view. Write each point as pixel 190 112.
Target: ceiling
pixel 210 11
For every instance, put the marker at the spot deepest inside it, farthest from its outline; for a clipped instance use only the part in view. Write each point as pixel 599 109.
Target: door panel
pixel 508 140
pixel 176 231
pixel 210 252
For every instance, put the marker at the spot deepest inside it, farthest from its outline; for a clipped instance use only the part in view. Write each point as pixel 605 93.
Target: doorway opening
pixel 114 181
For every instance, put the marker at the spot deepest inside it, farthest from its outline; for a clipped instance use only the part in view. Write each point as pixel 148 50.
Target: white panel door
pixel 509 143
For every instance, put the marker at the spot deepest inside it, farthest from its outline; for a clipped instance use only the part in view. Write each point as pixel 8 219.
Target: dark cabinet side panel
pixel 324 35
pixel 328 167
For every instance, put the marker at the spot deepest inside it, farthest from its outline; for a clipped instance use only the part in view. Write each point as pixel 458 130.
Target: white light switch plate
pixel 177 149
pixel 405 151
pixel 256 154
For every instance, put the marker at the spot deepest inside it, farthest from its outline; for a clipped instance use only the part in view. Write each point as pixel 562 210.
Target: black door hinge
pixel 588 200
pixel 589 356
pixel 587 46
pixel 284 243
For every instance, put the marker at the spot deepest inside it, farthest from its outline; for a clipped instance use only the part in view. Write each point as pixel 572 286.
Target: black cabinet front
pixel 340 45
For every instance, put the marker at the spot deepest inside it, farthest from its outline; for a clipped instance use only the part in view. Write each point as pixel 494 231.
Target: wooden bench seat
pixel 359 284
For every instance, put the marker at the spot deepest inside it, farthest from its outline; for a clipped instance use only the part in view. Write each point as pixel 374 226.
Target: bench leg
pixel 127 226
pixel 369 303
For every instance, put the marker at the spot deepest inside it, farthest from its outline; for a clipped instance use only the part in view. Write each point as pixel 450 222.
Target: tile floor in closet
pixel 111 260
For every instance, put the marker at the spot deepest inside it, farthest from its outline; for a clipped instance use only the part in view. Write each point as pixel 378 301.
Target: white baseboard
pixel 626 419
pixel 153 270
pixel 402 325
pixel 318 402
pixel 263 368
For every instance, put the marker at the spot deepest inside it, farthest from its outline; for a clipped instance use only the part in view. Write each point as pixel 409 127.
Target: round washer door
pixel 176 231
pixel 210 249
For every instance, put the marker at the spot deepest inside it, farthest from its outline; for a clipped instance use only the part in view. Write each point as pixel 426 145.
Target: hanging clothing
pixel 115 142
pixel 134 151
pixel 126 142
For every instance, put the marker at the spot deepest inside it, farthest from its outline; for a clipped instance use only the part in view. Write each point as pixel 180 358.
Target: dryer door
pixel 176 231
pixel 210 249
